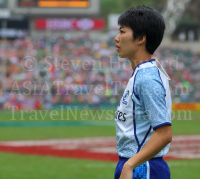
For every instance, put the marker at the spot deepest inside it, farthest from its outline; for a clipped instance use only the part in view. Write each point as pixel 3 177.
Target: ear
pixel 141 40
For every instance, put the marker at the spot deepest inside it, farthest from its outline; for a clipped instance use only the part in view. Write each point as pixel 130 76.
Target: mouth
pixel 117 47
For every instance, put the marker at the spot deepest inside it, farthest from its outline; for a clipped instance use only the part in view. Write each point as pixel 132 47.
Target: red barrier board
pixel 69 24
pixel 186 106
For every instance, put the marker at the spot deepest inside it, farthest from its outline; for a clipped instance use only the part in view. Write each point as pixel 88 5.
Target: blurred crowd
pixel 38 73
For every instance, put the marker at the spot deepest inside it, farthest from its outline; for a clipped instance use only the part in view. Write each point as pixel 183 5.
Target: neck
pixel 139 58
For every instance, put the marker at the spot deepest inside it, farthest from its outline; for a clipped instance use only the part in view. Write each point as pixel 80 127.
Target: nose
pixel 117 38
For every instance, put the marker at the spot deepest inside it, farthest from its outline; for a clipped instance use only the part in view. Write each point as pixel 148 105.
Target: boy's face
pixel 125 43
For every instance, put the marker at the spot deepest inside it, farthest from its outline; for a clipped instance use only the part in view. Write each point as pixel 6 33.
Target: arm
pixel 161 137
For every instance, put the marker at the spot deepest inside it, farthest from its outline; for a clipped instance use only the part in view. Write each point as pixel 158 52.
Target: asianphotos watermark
pixel 40 88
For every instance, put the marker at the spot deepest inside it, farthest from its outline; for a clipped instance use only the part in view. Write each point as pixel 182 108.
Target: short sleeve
pixel 151 94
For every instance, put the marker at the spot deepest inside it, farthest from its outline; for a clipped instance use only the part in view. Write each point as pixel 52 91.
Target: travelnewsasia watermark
pixel 75 113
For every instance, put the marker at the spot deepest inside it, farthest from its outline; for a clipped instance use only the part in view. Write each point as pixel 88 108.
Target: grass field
pixel 41 125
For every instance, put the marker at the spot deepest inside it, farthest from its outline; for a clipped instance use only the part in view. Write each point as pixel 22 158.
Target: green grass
pixel 27 133
pixel 185 127
pixel 16 166
pixel 185 169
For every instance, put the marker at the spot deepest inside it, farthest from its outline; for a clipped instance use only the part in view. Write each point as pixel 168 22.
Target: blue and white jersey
pixel 145 105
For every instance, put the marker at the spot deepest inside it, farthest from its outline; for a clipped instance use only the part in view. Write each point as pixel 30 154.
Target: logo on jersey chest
pixel 125 98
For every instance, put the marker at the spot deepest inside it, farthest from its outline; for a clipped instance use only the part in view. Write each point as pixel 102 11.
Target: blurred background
pixel 56 54
pixel 78 31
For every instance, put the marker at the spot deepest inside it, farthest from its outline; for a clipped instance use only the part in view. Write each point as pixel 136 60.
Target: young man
pixel 143 117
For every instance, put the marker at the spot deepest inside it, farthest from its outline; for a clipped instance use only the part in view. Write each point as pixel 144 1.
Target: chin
pixel 122 56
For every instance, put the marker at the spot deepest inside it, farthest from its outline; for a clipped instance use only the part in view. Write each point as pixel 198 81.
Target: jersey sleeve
pixel 151 94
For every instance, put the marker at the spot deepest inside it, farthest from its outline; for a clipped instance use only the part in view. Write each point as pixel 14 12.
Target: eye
pixel 120 31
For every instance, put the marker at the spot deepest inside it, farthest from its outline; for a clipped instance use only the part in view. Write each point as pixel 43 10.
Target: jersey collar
pixel 145 64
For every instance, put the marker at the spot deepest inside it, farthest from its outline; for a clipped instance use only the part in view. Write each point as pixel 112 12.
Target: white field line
pixel 58 141
pixel 182 146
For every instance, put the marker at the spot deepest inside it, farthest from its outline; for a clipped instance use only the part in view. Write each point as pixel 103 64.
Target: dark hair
pixel 144 20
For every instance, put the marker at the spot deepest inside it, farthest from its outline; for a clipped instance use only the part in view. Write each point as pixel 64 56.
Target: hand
pixel 127 172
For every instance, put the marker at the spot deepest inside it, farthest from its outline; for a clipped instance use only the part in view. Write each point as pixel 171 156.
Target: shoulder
pixel 148 79
pixel 149 76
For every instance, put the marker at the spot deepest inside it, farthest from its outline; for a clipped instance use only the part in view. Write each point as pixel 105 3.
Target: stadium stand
pixel 72 70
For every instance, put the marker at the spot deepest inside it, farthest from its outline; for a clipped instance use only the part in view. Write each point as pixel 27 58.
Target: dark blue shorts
pixel 156 168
